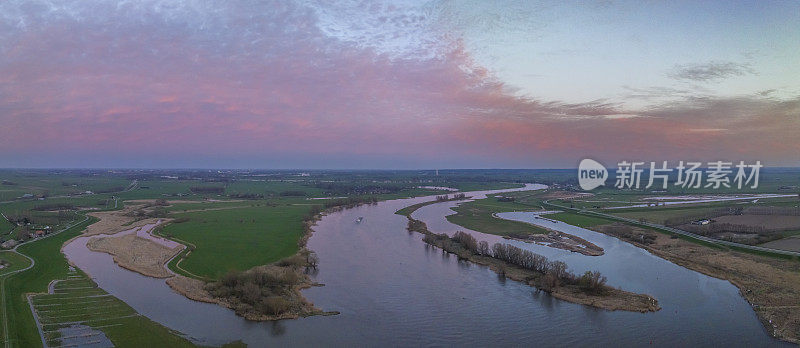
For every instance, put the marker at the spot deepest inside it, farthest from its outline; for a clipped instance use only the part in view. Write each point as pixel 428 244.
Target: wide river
pixel 393 289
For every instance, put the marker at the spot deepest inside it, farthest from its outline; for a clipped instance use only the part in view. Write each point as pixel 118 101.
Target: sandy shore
pixel 136 253
pixel 113 222
pixel 193 289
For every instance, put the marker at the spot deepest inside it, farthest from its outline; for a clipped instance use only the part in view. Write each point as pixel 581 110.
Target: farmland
pixel 77 312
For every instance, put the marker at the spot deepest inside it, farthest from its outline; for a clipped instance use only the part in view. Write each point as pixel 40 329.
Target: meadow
pixel 14 262
pixel 478 216
pixel 238 238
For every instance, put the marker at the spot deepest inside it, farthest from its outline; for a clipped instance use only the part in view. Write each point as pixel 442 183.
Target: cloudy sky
pixel 396 84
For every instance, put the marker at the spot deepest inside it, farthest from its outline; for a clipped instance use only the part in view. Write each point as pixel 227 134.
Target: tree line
pixel 554 273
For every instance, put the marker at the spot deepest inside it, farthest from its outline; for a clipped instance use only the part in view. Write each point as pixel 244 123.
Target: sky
pixel 396 84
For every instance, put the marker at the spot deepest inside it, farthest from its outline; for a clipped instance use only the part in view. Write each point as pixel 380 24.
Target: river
pixel 393 289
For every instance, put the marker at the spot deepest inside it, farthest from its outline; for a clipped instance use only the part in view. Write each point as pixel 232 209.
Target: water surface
pixel 393 289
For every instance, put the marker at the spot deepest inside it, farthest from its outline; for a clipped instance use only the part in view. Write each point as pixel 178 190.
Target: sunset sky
pixel 396 84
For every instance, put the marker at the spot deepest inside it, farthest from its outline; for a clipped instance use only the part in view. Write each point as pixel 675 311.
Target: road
pixel 677 231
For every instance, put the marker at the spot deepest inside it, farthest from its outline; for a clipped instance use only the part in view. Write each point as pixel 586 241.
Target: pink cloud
pixel 275 85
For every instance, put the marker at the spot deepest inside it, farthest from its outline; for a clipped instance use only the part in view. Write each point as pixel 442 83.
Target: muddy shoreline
pixel 771 286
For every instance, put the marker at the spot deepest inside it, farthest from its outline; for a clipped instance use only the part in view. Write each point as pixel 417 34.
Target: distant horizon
pixel 322 169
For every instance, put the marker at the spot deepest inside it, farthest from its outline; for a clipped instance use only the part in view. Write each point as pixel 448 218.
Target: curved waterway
pixel 393 289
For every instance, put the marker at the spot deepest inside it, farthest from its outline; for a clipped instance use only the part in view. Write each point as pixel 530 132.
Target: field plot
pixel 75 312
pixel 236 238
pixel 789 243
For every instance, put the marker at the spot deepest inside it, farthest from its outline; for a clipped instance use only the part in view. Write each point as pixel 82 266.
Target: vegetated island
pixel 480 215
pixel 533 269
pixel 561 240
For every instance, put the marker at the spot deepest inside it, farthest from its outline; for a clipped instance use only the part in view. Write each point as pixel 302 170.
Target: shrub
pixel 483 248
pixel 466 240
pixel 592 282
pixel 273 305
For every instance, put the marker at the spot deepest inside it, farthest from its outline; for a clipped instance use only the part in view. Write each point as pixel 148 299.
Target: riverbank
pixel 559 283
pixel 272 291
pixel 770 285
pixel 281 281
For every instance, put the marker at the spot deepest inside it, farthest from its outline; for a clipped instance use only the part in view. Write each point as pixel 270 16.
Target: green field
pixel 77 300
pixel 15 260
pixel 477 216
pixel 5 226
pixel 238 239
pixel 50 264
pixel 19 326
pixel 579 220
pixel 660 215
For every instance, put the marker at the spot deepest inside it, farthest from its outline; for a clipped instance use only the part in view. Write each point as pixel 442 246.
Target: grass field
pixel 579 220
pixel 16 183
pixel 659 215
pixel 477 216
pixel 238 239
pixel 19 326
pixel 5 226
pixel 50 264
pixel 80 313
pixel 15 262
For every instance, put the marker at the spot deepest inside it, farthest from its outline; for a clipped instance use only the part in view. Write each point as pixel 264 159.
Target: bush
pixel 483 248
pixel 250 292
pixel 593 282
pixel 273 305
pixel 466 240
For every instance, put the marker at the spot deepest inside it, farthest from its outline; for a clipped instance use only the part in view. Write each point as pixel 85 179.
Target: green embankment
pixel 50 264
pixel 237 239
pixel 78 298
